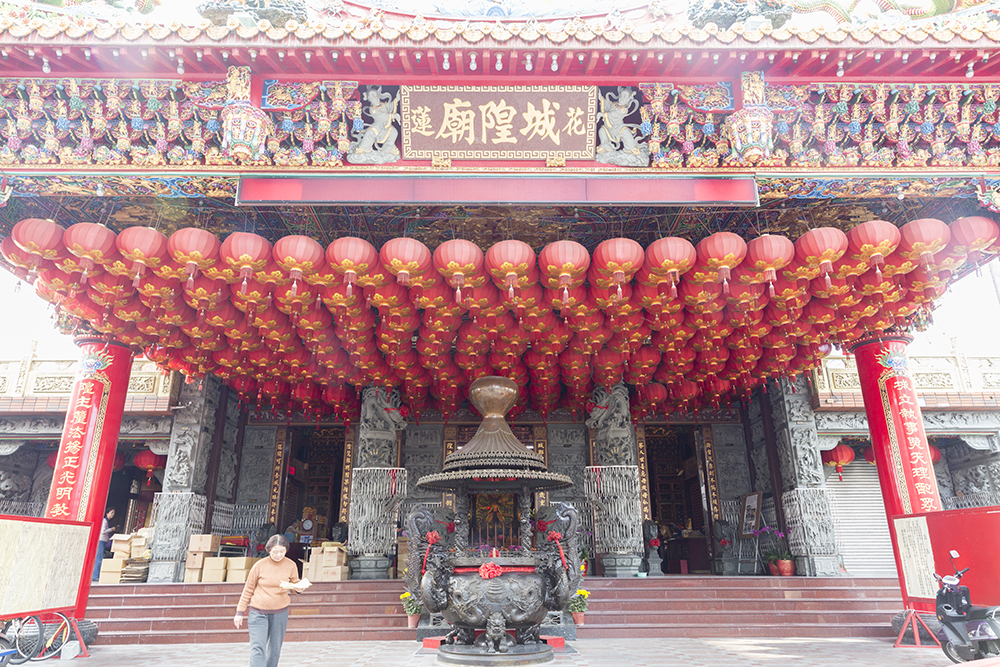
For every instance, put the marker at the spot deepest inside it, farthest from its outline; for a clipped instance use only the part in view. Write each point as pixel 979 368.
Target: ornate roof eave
pixel 374 28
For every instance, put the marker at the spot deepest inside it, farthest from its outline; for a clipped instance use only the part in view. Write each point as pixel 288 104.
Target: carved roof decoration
pixel 376 26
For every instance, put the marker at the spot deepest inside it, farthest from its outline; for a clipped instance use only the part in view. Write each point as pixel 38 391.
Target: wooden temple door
pixel 667 449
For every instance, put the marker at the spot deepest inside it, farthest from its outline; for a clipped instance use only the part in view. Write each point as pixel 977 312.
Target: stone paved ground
pixel 584 653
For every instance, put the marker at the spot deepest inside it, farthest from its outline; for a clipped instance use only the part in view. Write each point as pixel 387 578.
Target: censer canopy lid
pixel 494 458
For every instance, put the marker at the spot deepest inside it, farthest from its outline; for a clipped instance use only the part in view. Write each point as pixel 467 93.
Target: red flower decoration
pixel 433 537
pixel 490 570
pixel 724 542
pixel 404 411
pixel 542 526
pixel 655 542
pixel 553 536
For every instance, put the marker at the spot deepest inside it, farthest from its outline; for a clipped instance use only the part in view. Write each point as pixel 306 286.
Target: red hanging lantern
pixel 563 264
pixel 921 239
pixel 299 256
pixel 94 244
pixel 511 263
pixel 935 453
pixel 405 258
pixel 971 235
pixel 838 457
pixel 670 257
pixel 618 260
pixel 722 252
pixel 458 261
pixel 193 249
pixel 821 248
pixel 150 462
pixel 351 257
pixel 872 242
pixel 869 454
pixel 766 254
pixel 41 239
pixel 245 253
pixel 145 247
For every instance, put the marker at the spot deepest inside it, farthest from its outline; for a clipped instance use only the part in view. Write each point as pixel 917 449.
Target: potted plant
pixel 412 609
pixel 578 605
pixel 584 551
pixel 777 556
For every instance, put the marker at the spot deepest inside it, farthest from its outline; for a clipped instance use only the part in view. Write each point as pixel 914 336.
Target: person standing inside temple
pixel 266 597
pixel 107 530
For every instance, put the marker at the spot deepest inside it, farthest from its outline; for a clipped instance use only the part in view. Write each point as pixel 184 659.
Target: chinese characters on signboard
pixel 913 444
pixel 77 451
pixel 499 122
pixel 916 556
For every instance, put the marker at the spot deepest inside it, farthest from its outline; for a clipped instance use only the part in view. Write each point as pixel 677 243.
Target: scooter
pixel 971 633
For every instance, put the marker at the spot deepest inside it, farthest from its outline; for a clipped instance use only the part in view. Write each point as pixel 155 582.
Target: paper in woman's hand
pixel 301 585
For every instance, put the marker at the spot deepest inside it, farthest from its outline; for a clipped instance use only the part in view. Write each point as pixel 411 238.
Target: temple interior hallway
pixel 582 653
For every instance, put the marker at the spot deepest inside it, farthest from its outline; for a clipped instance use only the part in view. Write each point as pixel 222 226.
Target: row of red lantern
pixel 705 313
pixel 843 454
pixel 144 460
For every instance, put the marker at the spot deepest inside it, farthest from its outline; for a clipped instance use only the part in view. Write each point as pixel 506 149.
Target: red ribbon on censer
pixel 553 536
pixel 433 537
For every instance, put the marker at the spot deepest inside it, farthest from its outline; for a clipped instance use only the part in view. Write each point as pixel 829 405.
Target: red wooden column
pixel 83 468
pixel 903 460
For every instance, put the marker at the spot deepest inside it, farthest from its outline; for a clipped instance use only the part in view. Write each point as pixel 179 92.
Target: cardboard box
pixel 113 565
pixel 195 560
pixel 215 563
pixel 330 557
pixel 139 551
pixel 213 576
pixel 241 563
pixel 110 577
pixel 192 576
pixel 121 544
pixel 236 576
pixel 204 543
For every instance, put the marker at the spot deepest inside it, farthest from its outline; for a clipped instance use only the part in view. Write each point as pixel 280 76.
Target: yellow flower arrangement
pixel 410 604
pixel 578 602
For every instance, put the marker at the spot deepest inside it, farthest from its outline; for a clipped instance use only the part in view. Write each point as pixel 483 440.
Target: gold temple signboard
pixel 499 122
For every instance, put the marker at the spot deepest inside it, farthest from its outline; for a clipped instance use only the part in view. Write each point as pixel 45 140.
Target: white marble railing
pixel 953 373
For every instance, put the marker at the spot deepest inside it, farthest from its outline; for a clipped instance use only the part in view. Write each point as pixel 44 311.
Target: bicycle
pixel 36 640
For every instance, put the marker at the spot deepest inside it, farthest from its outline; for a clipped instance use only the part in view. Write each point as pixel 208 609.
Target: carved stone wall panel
pixel 568 456
pixel 52 384
pixel 41 482
pixel 731 461
pixel 17 474
pixel 377 428
pixel 946 486
pixel 423 454
pixel 191 437
pixel 227 462
pixel 255 468
pixel 614 435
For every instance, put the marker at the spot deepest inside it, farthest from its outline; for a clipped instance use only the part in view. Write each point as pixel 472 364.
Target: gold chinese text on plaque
pixel 499 122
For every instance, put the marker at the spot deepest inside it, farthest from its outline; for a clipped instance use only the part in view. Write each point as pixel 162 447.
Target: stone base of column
pixel 370 567
pixel 165 571
pixel 653 565
pixel 620 565
pixel 818 566
pixel 728 566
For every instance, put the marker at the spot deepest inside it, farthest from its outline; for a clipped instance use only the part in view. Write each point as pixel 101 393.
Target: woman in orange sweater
pixel 267 601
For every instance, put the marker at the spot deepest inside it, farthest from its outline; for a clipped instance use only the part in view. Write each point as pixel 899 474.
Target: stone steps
pixel 673 606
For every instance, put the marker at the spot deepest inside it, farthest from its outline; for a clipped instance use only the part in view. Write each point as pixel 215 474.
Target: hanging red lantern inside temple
pixel 300 256
pixel 618 260
pixel 766 254
pixel 406 258
pixel 41 239
pixel 511 263
pixel 838 457
pixel 869 454
pixel 821 248
pixel 351 257
pixel 245 253
pixel 971 235
pixel 935 453
pixel 459 261
pixel 150 462
pixel 94 244
pixel 193 249
pixel 872 242
pixel 670 258
pixel 144 247
pixel 921 239
pixel 563 264
pixel 722 252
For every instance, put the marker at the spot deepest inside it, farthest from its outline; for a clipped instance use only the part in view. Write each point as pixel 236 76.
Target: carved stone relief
pixel 614 438
pixel 52 384
pixel 946 487
pixel 423 452
pixel 256 466
pixel 16 475
pixel 568 456
pixel 41 482
pixel 762 479
pixel 380 421
pixel 731 460
pixel 8 447
pixel 191 437
pixel 144 384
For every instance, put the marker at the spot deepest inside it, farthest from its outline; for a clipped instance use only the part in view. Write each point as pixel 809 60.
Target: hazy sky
pixel 969 312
